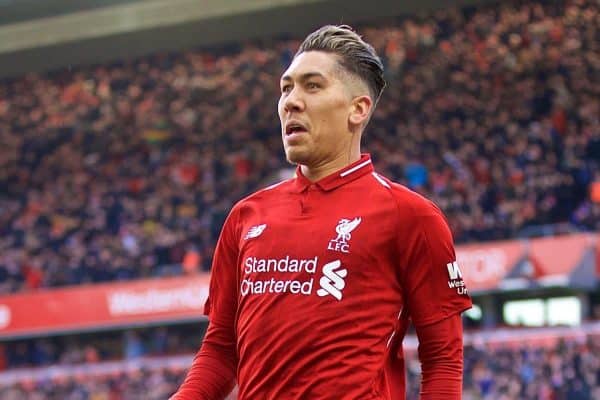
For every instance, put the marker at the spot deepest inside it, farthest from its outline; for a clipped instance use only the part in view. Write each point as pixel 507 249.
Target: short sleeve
pixel 212 374
pixel 433 285
pixel 221 305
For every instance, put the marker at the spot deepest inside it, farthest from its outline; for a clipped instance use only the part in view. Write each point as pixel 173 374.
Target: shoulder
pixel 270 192
pixel 262 198
pixel 408 202
pixel 254 204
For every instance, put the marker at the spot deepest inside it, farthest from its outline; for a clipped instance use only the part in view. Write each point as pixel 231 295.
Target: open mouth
pixel 294 128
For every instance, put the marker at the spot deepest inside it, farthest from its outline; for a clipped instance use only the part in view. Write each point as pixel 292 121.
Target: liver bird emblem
pixel 345 227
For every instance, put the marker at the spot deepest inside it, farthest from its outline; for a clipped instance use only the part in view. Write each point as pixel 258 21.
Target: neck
pixel 316 172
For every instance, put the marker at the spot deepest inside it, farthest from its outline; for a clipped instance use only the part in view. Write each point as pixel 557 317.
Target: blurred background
pixel 128 129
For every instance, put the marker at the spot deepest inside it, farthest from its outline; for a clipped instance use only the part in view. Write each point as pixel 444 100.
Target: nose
pixel 293 101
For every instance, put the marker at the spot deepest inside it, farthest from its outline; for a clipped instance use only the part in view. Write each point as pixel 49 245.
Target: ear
pixel 360 110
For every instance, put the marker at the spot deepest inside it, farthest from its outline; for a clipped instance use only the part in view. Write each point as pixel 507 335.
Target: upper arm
pixel 433 284
pixel 212 374
pixel 221 306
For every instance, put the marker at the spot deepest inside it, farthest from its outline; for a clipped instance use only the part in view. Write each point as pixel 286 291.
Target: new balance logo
pixel 454 271
pixel 255 231
pixel 332 282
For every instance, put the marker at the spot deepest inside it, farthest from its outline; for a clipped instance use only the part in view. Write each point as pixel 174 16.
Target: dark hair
pixel 355 55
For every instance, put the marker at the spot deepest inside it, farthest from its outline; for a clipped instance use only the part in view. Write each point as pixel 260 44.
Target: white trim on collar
pixel 355 168
pixel 380 179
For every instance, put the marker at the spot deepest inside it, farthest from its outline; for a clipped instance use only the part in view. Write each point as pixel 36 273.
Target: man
pixel 315 278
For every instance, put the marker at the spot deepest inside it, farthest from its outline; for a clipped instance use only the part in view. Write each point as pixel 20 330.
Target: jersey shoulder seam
pixel 392 188
pixel 276 187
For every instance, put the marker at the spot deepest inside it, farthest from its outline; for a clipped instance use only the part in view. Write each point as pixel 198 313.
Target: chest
pixel 331 242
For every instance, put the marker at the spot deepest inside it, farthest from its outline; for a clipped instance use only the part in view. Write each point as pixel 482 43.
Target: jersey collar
pixel 338 178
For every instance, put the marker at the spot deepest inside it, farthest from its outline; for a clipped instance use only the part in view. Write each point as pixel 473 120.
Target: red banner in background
pixel 485 265
pixel 484 268
pixel 94 306
pixel 558 256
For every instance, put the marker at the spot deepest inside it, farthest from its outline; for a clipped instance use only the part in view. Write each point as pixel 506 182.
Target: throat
pixel 317 172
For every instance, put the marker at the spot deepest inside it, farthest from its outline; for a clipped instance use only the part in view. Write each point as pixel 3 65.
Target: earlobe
pixel 356 118
pixel 361 109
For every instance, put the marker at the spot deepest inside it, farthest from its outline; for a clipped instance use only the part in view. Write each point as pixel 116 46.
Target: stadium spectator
pixel 127 170
pixel 113 172
pixel 569 371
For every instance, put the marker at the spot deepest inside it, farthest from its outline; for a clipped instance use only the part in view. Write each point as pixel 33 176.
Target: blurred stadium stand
pixel 533 333
pixel 37 36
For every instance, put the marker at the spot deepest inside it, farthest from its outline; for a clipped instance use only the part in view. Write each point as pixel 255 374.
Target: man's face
pixel 314 110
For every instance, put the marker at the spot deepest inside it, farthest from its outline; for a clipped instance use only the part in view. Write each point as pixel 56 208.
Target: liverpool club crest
pixel 344 230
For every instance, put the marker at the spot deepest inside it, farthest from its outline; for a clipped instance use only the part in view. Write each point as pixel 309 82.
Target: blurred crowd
pixel 96 347
pixel 139 384
pixel 568 371
pixel 114 172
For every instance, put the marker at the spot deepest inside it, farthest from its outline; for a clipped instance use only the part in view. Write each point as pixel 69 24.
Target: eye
pixel 313 85
pixel 286 88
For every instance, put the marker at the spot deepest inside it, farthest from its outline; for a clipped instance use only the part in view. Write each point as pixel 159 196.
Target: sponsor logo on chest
pixel 267 276
pixel 296 276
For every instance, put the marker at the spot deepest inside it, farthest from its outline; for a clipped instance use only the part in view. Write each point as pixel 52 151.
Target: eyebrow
pixel 304 77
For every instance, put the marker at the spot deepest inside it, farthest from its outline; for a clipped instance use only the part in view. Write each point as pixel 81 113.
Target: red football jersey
pixel 311 279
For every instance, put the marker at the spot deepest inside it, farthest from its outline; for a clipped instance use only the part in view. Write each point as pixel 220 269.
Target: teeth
pixel 293 128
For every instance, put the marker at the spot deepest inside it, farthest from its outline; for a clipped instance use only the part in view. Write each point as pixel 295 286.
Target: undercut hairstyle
pixel 354 55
